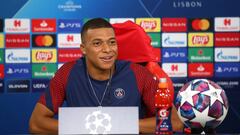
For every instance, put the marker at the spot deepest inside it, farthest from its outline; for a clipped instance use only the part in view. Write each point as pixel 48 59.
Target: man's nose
pixel 106 47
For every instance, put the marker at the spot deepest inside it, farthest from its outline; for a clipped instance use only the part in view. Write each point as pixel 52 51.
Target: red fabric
pixel 133 43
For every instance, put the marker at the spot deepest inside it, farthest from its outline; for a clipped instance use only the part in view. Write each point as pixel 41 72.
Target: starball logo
pixel 149 24
pixel 200 39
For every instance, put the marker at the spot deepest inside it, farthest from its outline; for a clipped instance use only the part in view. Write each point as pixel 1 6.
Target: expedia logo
pixel 48 40
pixel 148 24
pixel 200 40
pixel 44 56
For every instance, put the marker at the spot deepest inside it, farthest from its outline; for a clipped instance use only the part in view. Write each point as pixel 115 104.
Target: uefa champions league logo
pixel 98 123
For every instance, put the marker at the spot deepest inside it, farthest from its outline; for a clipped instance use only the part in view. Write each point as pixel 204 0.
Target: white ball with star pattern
pixel 98 122
pixel 202 103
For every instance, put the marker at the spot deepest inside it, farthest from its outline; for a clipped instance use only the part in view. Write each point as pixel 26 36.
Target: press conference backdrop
pixel 192 39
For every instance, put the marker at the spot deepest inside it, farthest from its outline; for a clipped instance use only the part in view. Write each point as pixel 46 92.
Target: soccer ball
pixel 202 104
pixel 98 123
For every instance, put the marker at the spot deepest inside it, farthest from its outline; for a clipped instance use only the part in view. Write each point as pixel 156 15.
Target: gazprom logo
pixel 17 56
pixel 227 54
pixel 174 40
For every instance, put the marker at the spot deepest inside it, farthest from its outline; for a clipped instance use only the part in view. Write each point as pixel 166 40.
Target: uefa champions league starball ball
pixel 202 104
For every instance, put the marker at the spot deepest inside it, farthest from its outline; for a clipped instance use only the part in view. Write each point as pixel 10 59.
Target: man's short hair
pixel 94 24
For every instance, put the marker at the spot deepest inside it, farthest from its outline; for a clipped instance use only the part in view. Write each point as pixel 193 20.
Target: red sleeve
pixel 54 95
pixel 147 87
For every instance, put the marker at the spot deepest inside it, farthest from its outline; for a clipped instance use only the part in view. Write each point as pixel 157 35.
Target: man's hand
pixel 42 120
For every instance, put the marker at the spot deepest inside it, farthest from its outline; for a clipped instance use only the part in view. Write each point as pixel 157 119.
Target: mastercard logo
pixel 44 40
pixel 200 24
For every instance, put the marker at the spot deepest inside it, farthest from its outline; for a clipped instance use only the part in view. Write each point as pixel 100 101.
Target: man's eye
pixel 96 43
pixel 113 42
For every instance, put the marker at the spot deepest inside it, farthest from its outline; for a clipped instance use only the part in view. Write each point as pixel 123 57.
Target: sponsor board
pixel 1 41
pixel 174 24
pixel 17 56
pixel 149 24
pixel 43 70
pixel 200 54
pixel 43 25
pixel 1 86
pixel 227 54
pixel 228 84
pixel 155 39
pixel 200 39
pixel 200 24
pixel 227 70
pixel 17 40
pixel 175 69
pixel 120 20
pixel 1 71
pixel 17 25
pixel 18 86
pixel 1 55
pixel 39 85
pixel 200 70
pixel 43 40
pixel 44 55
pixel 18 71
pixel 69 40
pixel 69 25
pixel 178 83
pixel 227 24
pixel 174 54
pixel 174 39
pixel 228 39
pixel 65 55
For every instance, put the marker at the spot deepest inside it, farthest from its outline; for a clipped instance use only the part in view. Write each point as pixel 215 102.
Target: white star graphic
pixel 224 115
pixel 187 95
pixel 214 94
pixel 202 117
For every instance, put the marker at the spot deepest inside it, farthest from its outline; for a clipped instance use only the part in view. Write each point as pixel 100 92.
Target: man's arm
pixel 148 125
pixel 42 120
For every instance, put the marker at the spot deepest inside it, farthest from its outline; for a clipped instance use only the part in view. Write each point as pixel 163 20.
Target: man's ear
pixel 83 49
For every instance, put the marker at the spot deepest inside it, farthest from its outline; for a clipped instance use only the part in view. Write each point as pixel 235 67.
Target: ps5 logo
pixel 69 25
pixel 18 71
pixel 227 69
pixel 174 54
